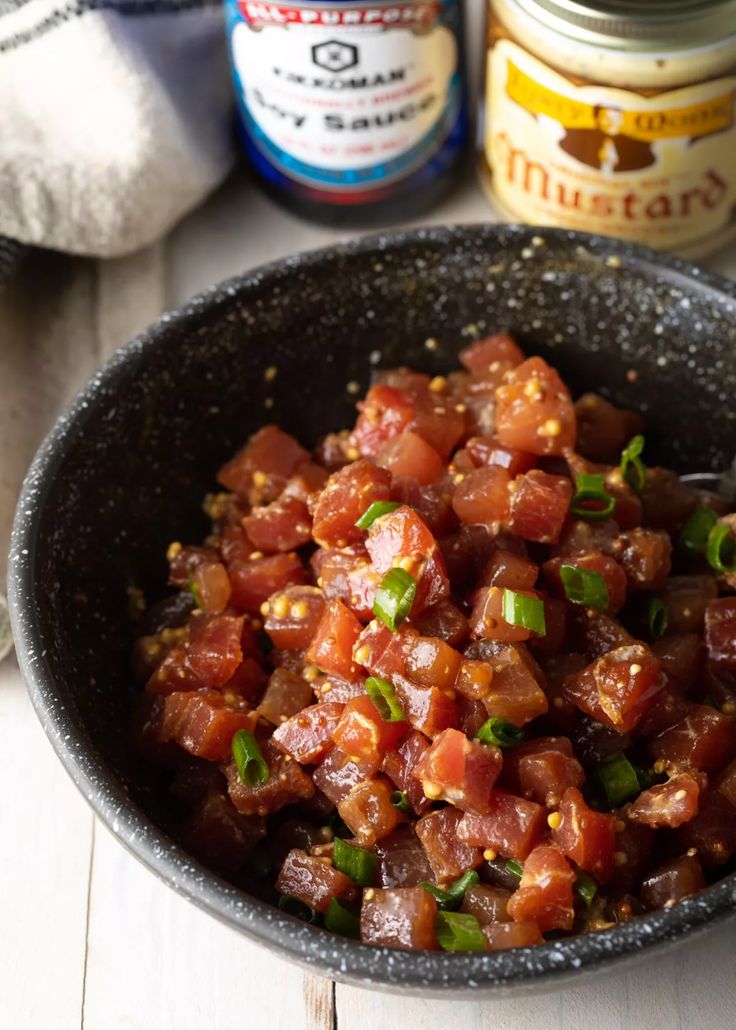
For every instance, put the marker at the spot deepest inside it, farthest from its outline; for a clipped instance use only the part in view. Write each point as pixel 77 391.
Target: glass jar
pixel 352 113
pixel 614 116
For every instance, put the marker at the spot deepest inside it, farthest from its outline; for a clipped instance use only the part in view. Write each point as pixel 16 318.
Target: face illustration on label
pixel 606 146
pixel 338 98
pixel 610 119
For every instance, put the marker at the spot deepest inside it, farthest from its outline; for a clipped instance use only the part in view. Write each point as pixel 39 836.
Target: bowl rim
pixel 427 973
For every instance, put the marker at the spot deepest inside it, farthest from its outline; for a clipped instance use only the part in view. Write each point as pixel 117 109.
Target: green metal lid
pixel 651 25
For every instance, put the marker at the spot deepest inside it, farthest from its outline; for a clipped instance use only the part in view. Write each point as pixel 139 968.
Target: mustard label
pixel 661 169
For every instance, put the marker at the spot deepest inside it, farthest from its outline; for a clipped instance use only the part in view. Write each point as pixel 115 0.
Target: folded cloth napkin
pixel 114 120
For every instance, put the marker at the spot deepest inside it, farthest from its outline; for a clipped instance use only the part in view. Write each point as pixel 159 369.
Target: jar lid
pixel 649 25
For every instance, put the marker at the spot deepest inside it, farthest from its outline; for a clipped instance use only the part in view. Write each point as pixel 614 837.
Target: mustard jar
pixel 614 116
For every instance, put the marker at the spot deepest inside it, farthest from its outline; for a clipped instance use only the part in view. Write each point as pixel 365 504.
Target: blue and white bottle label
pixel 347 96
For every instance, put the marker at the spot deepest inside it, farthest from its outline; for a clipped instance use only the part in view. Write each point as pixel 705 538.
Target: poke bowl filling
pixel 462 677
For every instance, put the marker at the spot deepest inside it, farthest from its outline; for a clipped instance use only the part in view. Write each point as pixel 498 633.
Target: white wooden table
pixel 88 937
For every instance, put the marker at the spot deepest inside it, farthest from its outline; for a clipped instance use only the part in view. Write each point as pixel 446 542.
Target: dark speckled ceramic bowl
pixel 124 470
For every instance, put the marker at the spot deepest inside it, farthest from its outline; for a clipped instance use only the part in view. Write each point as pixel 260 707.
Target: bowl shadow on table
pixel 125 471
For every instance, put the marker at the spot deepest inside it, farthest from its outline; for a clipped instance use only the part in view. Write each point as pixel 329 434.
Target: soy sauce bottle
pixel 352 113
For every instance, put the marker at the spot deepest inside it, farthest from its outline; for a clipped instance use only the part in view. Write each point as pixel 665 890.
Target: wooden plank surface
pixel 689 989
pixel 46 834
pixel 154 960
pixel 48 344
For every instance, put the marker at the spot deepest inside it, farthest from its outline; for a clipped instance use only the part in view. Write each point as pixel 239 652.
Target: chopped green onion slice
pixel 618 778
pixel 193 588
pixel 586 887
pixel 584 587
pixel 520 610
pixel 252 766
pixel 358 864
pixel 658 617
pixel 453 896
pixel 458 931
pixel 721 549
pixel 294 907
pixel 500 733
pixel 694 535
pixel 512 866
pixel 591 489
pixel 394 598
pixel 375 511
pixel 632 467
pixel 399 800
pixel 383 696
pixel 340 920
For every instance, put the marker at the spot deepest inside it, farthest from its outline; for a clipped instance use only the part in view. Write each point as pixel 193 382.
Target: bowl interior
pixel 125 470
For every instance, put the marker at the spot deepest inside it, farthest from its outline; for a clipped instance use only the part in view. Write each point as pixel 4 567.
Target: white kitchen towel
pixel 114 119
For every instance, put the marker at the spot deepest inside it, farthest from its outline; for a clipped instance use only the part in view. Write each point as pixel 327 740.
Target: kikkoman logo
pixel 335 56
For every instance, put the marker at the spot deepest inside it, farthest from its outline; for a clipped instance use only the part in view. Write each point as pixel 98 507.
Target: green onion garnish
pixel 252 766
pixel 383 696
pixel 694 534
pixel 399 800
pixel 294 907
pixel 499 733
pixel 512 866
pixel 632 467
pixel 586 887
pixel 394 598
pixel 193 588
pixel 520 610
pixel 375 511
pixel 458 931
pixel 584 587
pixel 658 617
pixel 721 549
pixel 618 778
pixel 591 489
pixel 453 896
pixel 358 864
pixel 340 920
